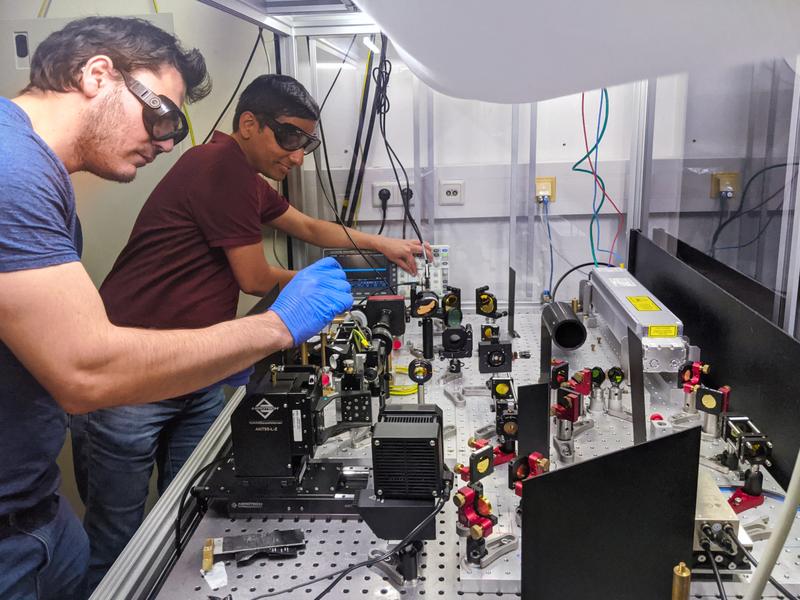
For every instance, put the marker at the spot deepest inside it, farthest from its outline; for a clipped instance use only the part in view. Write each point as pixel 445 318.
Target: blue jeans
pixel 45 562
pixel 114 451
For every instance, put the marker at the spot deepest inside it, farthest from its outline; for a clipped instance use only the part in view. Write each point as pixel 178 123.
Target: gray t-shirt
pixel 39 228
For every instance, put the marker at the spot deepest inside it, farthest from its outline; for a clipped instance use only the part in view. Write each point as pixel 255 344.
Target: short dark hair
pixel 273 96
pixel 131 44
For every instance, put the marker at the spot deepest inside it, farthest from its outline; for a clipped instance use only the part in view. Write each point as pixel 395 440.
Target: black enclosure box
pixel 407 452
pixel 272 427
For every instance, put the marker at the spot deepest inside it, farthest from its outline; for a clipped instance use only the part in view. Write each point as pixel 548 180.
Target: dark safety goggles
pixel 163 120
pixel 291 138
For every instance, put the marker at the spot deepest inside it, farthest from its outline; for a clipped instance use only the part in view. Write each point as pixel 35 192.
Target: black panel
pixel 745 350
pixel 757 296
pixel 636 381
pixel 612 527
pixel 512 301
pixel 533 406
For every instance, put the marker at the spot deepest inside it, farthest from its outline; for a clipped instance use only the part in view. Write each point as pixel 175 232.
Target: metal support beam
pixel 528 273
pixel 644 102
pixel 789 247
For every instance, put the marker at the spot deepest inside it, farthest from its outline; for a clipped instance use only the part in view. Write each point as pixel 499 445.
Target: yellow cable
pixel 364 88
pixel 184 108
pixel 401 370
pixel 43 9
pixel 189 121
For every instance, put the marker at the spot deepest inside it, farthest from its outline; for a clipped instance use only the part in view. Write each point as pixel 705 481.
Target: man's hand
pixel 313 298
pixel 401 252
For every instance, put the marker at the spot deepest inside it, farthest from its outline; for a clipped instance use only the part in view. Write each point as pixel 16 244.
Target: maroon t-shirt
pixel 173 273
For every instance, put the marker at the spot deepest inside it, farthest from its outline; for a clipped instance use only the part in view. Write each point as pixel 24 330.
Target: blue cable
pixel 595 213
pixel 550 242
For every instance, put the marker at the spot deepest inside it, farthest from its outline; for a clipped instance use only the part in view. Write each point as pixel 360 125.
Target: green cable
pixel 600 181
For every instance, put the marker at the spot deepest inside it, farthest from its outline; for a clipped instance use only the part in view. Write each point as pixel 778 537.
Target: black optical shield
pixel 291 137
pixel 163 120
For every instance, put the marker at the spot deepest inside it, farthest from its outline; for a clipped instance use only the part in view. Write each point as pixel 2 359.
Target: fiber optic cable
pixel 598 179
pixel 549 241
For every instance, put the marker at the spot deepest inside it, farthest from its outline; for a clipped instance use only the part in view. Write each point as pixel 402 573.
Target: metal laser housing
pixel 624 303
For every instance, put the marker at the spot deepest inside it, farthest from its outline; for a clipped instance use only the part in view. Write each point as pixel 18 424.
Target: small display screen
pixel 357 267
pixel 371 273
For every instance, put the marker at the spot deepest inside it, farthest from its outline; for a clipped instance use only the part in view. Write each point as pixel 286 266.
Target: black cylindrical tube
pixel 427 338
pixel 566 330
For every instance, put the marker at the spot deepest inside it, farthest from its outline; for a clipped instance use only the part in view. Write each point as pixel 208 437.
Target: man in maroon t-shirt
pixel 195 245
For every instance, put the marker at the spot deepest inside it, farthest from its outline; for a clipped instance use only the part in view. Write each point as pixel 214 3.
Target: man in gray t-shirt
pixel 104 97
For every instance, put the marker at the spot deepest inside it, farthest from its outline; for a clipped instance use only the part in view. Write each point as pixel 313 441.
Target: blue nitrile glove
pixel 312 298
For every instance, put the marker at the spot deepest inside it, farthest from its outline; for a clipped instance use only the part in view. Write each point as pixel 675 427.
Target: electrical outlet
pixel 724 182
pixel 394 194
pixel 451 192
pixel 546 186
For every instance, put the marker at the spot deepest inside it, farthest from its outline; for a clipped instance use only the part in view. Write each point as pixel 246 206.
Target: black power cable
pixel 259 39
pixel 185 495
pixel 732 535
pixel 572 270
pixel 357 144
pixel 372 265
pixel 739 212
pixel 706 548
pixel 376 100
pixel 382 74
pixel 399 546
pixel 341 573
pixel 339 72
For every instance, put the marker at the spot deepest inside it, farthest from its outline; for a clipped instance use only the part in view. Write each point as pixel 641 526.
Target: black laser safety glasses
pixel 163 120
pixel 291 138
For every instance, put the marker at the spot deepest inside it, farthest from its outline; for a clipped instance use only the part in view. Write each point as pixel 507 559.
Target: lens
pixel 290 140
pixel 166 126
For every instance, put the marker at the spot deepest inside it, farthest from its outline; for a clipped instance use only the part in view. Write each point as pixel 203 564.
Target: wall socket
pixel 394 198
pixel 727 182
pixel 451 192
pixel 546 186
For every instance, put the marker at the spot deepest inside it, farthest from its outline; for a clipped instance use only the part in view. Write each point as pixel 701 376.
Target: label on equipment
pixel 662 331
pixel 329 415
pixel 643 303
pixel 297 425
pixel 622 282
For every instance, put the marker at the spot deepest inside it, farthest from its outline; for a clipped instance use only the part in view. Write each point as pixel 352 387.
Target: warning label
pixel 643 303
pixel 662 331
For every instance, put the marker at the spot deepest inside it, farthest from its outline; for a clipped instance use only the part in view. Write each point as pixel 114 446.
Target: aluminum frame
pixel 642 155
pixel 789 254
pixel 298 25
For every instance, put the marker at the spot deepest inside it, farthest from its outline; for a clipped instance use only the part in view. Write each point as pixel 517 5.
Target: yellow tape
pixel 643 303
pixel 663 331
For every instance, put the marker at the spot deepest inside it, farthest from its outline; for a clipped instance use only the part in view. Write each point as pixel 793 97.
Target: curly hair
pixel 131 44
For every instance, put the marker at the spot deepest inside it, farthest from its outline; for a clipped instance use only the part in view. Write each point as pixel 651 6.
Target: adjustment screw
pixel 377 442
pixel 433 442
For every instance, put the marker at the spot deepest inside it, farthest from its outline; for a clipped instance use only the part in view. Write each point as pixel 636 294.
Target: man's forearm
pixel 331 235
pixel 139 366
pixel 275 276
